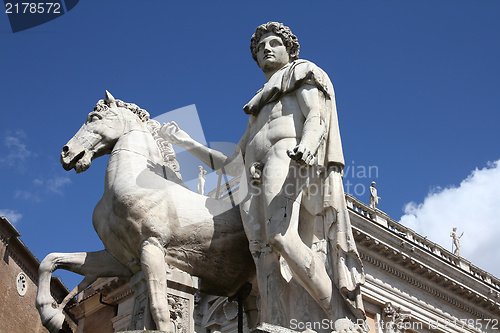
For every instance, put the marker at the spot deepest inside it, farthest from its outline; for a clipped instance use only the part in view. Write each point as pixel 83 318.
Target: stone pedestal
pixel 268 328
pixel 143 331
pixel 181 290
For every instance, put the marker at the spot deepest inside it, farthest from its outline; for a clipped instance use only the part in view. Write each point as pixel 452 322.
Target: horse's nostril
pixel 65 149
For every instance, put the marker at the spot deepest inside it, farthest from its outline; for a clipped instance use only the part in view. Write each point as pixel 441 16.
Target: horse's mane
pixel 165 147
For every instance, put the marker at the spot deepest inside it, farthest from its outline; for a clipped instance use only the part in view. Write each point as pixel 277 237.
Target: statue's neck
pixel 269 74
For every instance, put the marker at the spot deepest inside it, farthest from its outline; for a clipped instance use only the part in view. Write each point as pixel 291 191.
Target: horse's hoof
pixel 54 323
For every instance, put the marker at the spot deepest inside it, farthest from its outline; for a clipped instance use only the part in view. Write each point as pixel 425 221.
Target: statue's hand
pixel 173 134
pixel 302 155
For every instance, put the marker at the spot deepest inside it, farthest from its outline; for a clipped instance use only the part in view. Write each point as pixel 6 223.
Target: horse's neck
pixel 135 152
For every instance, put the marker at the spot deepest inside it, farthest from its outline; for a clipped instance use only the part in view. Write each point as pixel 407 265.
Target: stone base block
pixel 146 331
pixel 181 290
pixel 268 328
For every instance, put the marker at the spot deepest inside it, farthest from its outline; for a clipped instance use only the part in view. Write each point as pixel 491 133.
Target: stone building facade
pixel 412 285
pixel 415 285
pixel 18 284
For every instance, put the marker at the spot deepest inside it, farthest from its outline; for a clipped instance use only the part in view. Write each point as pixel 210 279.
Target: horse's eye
pixel 93 116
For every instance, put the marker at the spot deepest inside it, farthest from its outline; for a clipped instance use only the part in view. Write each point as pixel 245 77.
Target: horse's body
pixel 146 219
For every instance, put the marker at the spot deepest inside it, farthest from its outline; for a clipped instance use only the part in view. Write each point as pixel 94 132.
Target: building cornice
pixel 377 221
pixel 385 249
pixel 379 292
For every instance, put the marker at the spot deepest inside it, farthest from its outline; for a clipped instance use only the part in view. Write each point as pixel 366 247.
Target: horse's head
pixel 98 134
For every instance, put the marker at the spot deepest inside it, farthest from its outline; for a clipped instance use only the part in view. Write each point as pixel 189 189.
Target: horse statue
pixel 147 219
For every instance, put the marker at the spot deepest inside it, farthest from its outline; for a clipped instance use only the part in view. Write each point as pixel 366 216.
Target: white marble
pixel 374 198
pixel 292 205
pixel 147 219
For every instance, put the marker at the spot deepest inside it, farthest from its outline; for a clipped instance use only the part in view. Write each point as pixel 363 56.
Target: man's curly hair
pixel 289 39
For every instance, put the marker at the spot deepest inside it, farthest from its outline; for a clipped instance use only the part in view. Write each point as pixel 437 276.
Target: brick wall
pixel 18 313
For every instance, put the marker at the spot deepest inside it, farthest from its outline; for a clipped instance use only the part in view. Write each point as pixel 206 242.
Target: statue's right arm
pixel 213 158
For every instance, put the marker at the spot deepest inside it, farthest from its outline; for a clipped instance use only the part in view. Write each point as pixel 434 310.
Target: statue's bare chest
pixel 276 121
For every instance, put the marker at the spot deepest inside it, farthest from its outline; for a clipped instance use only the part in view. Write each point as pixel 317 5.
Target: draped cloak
pixel 342 259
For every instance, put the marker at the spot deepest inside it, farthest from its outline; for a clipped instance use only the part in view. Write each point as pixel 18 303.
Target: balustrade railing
pixel 411 236
pixel 228 189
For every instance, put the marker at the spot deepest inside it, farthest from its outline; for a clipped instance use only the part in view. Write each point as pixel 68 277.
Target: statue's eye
pixel 275 43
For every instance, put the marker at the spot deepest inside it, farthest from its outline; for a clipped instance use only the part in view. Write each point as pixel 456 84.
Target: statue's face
pixel 271 53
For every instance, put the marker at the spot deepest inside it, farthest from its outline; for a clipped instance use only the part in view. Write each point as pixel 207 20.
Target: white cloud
pixel 473 207
pixel 11 215
pixel 56 184
pixel 27 195
pixel 17 154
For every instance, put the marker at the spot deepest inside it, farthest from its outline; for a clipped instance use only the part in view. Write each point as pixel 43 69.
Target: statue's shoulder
pixel 304 64
pixel 303 71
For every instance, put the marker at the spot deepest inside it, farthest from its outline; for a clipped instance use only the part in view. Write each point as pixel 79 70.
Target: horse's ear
pixel 110 99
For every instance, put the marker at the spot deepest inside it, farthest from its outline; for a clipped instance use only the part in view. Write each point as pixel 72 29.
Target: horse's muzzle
pixel 71 154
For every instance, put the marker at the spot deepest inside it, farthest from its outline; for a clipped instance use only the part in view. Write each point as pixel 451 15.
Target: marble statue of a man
pixel 294 212
pixel 201 180
pixel 374 198
pixel 456 241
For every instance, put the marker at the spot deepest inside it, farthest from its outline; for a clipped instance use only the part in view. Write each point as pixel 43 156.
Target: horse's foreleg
pixel 52 318
pixel 89 264
pixel 155 273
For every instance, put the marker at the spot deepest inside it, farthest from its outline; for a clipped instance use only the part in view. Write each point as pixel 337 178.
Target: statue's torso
pixel 276 128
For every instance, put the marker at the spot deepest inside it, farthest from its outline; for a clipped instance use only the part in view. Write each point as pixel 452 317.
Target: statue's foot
pixel 345 325
pixel 167 326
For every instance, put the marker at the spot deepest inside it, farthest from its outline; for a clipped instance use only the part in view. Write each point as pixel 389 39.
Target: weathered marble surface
pixel 144 331
pixel 292 204
pixel 146 219
pixel 268 328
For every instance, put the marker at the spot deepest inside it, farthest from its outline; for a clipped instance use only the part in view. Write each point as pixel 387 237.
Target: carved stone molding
pixel 409 237
pixel 268 328
pixel 394 318
pixel 412 281
pixel 403 256
pixel 179 313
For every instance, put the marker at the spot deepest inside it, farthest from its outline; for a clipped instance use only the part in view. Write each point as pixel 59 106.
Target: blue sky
pixel 417 87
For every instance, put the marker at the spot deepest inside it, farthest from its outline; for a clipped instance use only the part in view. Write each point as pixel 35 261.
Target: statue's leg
pixel 271 285
pixel 89 264
pixel 251 310
pixel 155 273
pixel 306 265
pixel 269 280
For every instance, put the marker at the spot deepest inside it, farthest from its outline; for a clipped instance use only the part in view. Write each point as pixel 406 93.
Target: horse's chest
pixel 121 235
